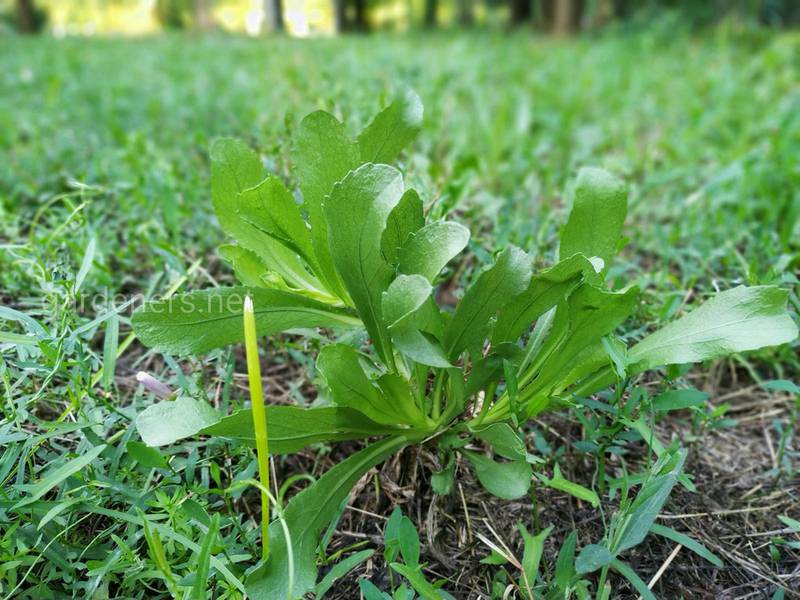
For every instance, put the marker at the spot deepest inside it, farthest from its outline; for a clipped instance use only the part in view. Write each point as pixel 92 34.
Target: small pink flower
pixel 153 385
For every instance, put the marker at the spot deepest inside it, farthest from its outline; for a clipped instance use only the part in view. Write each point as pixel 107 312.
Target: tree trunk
pixel 431 8
pixel 466 13
pixel 340 15
pixel 201 15
pixel 602 14
pixel 360 15
pixel 26 16
pixel 273 11
pixel 519 12
pixel 564 17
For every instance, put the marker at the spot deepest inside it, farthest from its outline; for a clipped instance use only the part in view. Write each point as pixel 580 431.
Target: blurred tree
pixel 519 12
pixel 360 15
pixel 339 15
pixel 431 10
pixel 201 15
pixel 600 13
pixel 780 13
pixel 466 12
pixel 29 18
pixel 703 13
pixel 172 14
pixel 559 17
pixel 350 15
pixel 566 16
pixel 184 14
pixel 273 11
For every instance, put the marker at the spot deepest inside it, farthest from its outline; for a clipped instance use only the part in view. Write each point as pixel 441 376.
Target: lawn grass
pixel 104 195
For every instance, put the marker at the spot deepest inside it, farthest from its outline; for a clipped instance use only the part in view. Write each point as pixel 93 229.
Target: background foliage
pixel 104 191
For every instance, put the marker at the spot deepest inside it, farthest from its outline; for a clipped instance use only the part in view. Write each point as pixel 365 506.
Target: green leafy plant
pixel 402 554
pixel 627 528
pixel 359 255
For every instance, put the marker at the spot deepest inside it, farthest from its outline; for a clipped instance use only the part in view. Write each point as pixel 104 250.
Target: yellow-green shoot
pixel 259 417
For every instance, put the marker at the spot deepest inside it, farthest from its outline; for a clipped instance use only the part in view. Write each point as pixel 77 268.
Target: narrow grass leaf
pixel 339 570
pixel 86 263
pixel 636 581
pixel 110 345
pixel 55 511
pixel 687 542
pixel 204 560
pixel 57 475
pixel 157 550
pixel 573 489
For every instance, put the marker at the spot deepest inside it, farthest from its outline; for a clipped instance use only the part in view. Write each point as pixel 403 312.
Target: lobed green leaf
pixel 736 320
pixel 350 386
pixel 392 129
pixel 473 319
pixel 405 218
pixel 594 226
pixel 322 155
pixel 199 321
pixel 291 428
pixel 544 291
pixel 356 212
pixel 427 251
pixel 236 168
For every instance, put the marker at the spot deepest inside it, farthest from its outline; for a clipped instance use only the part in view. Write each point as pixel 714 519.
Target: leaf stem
pixel 601 583
pixel 259 418
pixel 488 398
pixel 437 396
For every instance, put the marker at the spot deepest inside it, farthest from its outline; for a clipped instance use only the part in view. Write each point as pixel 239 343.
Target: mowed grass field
pixel 105 200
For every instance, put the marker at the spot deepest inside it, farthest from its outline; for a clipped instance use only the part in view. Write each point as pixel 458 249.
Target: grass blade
pixel 204 560
pixel 56 476
pixel 636 581
pixel 687 542
pixel 110 345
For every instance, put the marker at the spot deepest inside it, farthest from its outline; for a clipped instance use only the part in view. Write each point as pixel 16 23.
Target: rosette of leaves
pixel 359 253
